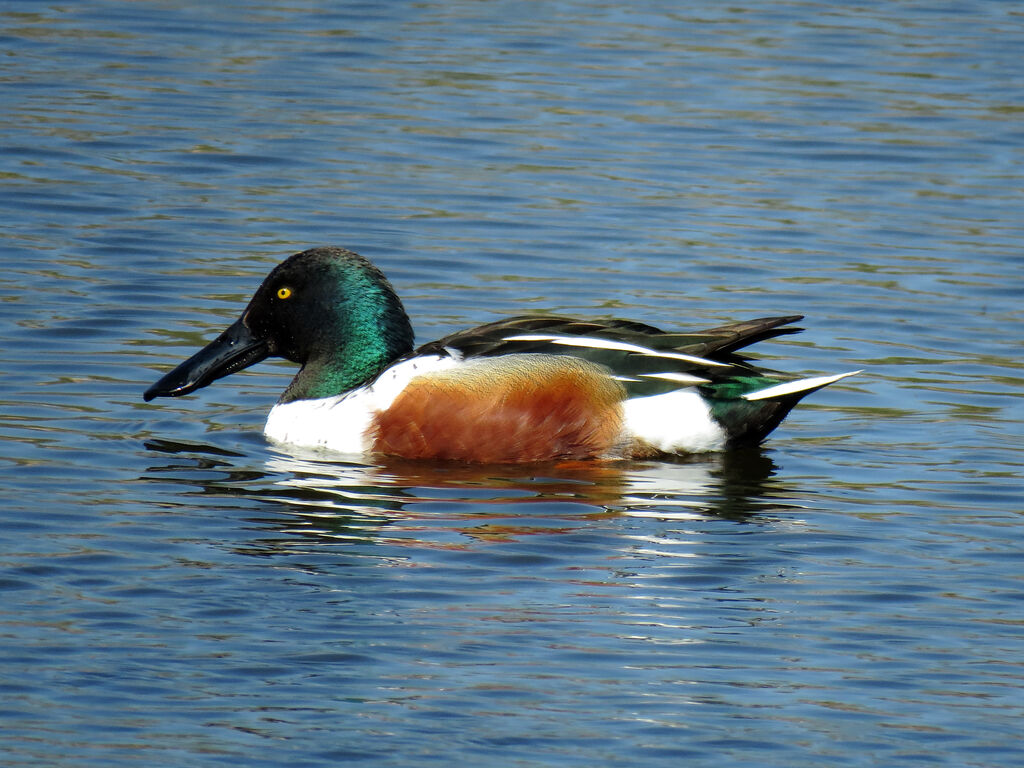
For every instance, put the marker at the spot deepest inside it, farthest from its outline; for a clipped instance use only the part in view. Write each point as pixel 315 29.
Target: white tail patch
pixel 792 387
pixel 621 346
pixel 676 422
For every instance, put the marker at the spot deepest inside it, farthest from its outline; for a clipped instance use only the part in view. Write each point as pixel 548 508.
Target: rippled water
pixel 174 590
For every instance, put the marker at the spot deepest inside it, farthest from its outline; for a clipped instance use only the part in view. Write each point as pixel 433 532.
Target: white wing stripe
pixel 621 346
pixel 682 378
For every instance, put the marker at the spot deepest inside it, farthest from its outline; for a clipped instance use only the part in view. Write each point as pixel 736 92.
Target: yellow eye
pixel 284 293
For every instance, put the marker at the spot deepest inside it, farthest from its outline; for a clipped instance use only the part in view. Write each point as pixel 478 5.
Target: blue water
pixel 174 590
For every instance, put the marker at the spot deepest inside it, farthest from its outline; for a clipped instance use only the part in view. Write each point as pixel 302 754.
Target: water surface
pixel 177 590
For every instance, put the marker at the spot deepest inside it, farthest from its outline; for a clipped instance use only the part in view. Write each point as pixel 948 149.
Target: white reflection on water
pixel 715 484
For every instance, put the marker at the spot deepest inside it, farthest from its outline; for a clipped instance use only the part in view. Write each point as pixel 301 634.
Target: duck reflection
pixel 314 497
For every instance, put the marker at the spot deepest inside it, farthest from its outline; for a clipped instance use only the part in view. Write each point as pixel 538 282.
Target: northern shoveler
pixel 530 388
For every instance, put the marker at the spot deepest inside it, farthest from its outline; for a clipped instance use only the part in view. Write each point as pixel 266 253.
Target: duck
pixel 531 388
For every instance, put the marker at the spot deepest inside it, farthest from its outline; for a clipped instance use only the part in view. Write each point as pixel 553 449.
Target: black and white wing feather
pixel 645 359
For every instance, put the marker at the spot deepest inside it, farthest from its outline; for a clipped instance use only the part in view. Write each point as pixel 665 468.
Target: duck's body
pixel 522 389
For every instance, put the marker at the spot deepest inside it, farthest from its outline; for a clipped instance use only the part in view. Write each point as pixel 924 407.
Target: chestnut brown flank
pixel 516 408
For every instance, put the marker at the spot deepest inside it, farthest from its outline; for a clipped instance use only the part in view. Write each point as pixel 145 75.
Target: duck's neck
pixel 361 342
pixel 329 377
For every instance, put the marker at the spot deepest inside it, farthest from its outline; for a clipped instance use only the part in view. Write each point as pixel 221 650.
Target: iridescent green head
pixel 328 309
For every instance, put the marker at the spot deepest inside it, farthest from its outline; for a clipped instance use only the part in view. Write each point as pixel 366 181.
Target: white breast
pixel 340 423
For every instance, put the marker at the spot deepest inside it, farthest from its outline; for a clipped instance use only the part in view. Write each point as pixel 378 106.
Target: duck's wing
pixel 646 359
pixel 506 336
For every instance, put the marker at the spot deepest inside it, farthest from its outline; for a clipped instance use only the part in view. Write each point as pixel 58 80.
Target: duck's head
pixel 328 309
